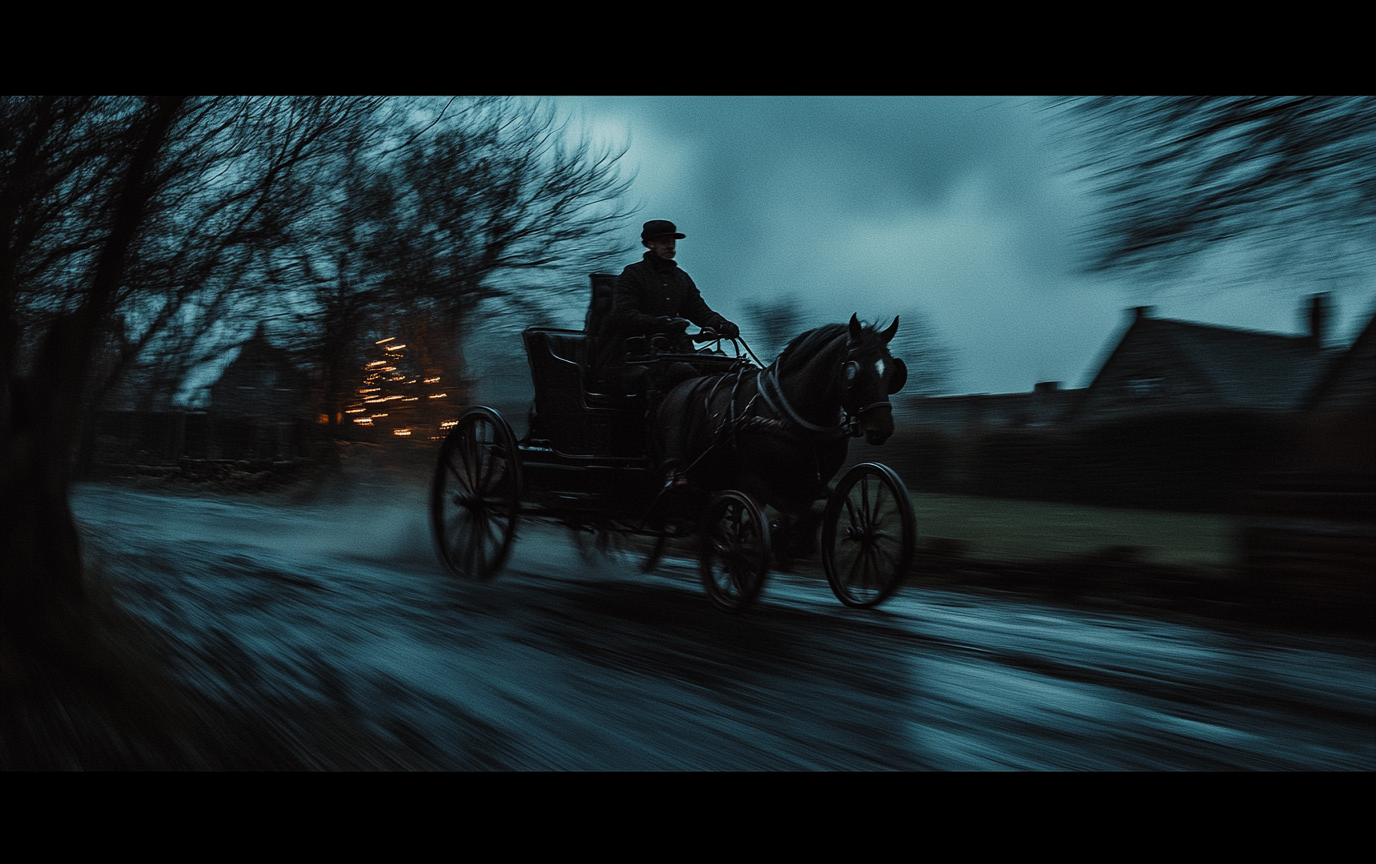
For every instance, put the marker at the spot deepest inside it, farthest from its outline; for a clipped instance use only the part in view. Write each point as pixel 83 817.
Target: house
pixel 262 382
pixel 1159 364
pixel 1340 413
pixel 260 407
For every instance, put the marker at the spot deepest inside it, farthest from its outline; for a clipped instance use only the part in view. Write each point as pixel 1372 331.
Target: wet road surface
pixel 339 613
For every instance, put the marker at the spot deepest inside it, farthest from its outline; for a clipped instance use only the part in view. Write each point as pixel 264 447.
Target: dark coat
pixel 646 292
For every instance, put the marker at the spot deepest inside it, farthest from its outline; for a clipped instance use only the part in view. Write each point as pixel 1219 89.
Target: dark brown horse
pixel 780 434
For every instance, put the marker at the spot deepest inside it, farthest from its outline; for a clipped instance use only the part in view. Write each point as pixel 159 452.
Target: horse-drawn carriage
pixel 755 437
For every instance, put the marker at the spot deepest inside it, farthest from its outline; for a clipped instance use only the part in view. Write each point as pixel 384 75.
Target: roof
pixel 1247 367
pixel 1241 368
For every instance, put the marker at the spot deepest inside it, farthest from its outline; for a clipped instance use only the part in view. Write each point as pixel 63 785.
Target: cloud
pixel 960 207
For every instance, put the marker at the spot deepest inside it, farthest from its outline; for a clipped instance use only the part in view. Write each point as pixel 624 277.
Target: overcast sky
pixel 958 209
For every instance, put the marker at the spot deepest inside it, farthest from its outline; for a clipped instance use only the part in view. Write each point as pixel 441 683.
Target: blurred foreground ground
pixel 313 629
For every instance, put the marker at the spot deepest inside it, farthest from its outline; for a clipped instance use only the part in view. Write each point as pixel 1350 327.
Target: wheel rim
pixel 868 536
pixel 475 495
pixel 734 557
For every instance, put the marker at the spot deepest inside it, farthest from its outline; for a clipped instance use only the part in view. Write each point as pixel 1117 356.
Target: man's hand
pixel 729 330
pixel 672 325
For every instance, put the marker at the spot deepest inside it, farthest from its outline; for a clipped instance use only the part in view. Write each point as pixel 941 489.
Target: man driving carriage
pixel 653 297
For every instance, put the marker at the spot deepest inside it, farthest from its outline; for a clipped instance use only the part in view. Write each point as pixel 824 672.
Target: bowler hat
pixel 659 228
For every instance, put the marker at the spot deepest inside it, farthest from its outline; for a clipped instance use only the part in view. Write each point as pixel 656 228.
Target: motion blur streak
pixel 332 628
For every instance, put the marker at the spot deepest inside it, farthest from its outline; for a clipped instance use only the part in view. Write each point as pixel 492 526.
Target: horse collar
pixel 769 380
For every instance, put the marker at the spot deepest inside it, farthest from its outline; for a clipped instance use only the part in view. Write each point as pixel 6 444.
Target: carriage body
pixel 588 457
pixel 588 462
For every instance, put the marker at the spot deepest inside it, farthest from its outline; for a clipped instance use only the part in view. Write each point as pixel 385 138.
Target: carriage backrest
pixel 557 359
pixel 599 303
pixel 575 421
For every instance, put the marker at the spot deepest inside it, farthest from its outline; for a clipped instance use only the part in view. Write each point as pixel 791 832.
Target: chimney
pixel 1140 312
pixel 1318 320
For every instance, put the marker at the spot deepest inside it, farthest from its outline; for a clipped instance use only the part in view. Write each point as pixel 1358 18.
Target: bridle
pixel 849 421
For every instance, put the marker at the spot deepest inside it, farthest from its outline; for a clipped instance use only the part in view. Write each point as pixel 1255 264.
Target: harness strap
pixel 769 379
pixel 884 404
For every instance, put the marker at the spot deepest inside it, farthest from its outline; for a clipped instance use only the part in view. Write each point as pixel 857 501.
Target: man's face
pixel 663 247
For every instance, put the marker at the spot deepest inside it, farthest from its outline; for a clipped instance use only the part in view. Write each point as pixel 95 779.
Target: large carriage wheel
pixel 733 555
pixel 869 533
pixel 475 496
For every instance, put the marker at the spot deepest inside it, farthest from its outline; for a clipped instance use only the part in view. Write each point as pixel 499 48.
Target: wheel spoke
pixel 474 494
pixel 734 555
pixel 868 535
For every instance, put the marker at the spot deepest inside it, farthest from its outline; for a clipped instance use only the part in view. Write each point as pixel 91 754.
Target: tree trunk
pixel 42 596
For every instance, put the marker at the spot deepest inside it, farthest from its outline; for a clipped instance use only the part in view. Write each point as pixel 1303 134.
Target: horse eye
pixel 879 366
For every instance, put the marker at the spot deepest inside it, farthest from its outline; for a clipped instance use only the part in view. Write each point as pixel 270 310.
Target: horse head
pixel 869 376
pixel 834 372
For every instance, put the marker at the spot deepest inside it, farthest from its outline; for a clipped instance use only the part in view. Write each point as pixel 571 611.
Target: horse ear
pixel 855 329
pixel 900 375
pixel 888 334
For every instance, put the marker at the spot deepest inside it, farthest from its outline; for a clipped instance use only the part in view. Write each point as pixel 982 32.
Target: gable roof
pixel 1247 367
pixel 1238 368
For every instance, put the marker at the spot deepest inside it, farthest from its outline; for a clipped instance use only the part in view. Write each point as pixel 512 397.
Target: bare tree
pixel 929 358
pixel 114 214
pixel 1180 174
pixel 468 207
pixel 776 321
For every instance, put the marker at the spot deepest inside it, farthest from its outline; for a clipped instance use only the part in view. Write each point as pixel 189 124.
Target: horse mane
pixel 809 342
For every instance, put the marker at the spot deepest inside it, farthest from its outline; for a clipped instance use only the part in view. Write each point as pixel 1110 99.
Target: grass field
pixel 1007 530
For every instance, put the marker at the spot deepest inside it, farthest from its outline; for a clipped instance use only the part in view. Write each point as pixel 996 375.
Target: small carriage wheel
pixel 733 552
pixel 869 533
pixel 475 496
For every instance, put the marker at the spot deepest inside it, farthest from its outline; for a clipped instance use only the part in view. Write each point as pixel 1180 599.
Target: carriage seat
pixel 559 369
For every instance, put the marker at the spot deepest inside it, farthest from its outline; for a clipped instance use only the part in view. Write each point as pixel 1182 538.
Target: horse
pixel 781 433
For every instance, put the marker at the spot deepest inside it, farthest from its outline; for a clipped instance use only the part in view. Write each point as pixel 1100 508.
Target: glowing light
pixel 354 410
pixel 364 421
pixel 438 395
pixel 434 380
pixel 402 432
pixel 388 339
pixel 375 363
